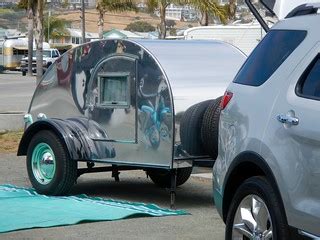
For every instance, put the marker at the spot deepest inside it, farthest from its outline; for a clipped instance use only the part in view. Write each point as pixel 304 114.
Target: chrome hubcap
pixel 43 163
pixel 252 220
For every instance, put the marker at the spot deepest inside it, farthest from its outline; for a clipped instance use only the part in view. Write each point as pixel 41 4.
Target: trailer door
pixel 112 101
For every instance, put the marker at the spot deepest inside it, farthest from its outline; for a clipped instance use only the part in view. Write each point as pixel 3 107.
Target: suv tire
pixel 254 199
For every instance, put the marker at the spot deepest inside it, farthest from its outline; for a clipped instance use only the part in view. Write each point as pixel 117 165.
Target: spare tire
pixel 210 128
pixel 190 128
pixel 162 178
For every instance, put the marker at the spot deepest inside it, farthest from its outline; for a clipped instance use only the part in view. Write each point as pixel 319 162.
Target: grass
pixel 6 11
pixel 9 141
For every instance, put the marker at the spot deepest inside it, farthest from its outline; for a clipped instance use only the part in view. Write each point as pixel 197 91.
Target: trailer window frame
pixel 111 78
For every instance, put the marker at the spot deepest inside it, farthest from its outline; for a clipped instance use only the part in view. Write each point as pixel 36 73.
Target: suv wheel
pixel 255 212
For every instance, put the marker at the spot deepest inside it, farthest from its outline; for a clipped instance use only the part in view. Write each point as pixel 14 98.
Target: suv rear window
pixel 271 52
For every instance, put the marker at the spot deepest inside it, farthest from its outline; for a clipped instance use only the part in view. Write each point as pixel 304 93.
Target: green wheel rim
pixel 43 163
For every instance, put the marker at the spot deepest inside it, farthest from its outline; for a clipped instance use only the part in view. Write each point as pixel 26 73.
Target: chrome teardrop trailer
pixel 120 102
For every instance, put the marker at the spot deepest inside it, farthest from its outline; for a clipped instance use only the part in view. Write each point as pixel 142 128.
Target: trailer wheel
pixel 190 128
pixel 50 169
pixel 210 128
pixel 162 178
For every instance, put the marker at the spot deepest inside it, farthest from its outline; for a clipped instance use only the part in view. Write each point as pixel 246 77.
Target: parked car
pixel 49 57
pixel 267 173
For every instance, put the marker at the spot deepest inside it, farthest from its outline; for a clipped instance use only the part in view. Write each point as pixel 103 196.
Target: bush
pixel 140 26
pixel 173 32
pixel 170 23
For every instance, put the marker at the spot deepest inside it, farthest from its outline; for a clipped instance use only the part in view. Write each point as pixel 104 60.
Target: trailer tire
pixel 162 178
pixel 50 169
pixel 190 128
pixel 210 128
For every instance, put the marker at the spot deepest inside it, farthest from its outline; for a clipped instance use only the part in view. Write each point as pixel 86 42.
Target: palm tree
pixel 38 35
pixel 54 28
pixel 35 8
pixel 205 7
pixel 231 9
pixel 162 6
pixel 103 6
pixel 29 6
pixel 209 7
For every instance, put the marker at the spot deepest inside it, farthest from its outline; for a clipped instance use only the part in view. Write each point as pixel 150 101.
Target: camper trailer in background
pixel 12 51
pixel 245 37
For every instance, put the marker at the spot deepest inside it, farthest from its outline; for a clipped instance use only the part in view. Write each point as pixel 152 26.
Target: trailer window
pixel 114 90
pixel 22 52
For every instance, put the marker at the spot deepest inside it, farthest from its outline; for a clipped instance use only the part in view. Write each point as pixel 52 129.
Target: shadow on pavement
pixel 193 194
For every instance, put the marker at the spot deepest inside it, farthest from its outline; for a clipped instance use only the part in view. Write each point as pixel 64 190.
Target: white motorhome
pixel 243 36
pixel 12 51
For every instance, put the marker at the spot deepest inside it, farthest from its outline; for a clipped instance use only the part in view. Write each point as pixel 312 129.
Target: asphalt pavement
pixel 195 196
pixel 16 92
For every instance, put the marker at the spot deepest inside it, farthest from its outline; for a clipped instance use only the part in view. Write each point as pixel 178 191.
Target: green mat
pixel 22 208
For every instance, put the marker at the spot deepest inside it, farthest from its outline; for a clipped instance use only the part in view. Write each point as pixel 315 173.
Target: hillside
pixel 114 20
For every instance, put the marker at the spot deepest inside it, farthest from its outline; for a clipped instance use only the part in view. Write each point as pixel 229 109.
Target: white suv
pixel 267 174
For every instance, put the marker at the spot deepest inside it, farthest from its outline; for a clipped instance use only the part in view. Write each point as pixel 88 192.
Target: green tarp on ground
pixel 22 208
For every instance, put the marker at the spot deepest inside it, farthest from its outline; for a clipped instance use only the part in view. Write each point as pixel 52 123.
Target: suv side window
pixel 309 83
pixel 270 53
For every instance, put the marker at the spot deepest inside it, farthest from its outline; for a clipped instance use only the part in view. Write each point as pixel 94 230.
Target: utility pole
pixel 83 22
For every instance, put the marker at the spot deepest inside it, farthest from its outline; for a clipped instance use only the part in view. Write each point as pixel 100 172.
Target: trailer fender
pixel 74 133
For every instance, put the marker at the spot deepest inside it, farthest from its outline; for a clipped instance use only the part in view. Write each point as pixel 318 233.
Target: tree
pixel 54 28
pixel 30 6
pixel 31 14
pixel 161 5
pixel 231 9
pixel 140 26
pixel 170 23
pixel 209 7
pixel 104 6
pixel 35 9
pixel 205 7
pixel 38 35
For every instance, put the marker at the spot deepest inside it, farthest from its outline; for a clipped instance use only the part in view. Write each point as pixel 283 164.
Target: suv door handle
pixel 288 119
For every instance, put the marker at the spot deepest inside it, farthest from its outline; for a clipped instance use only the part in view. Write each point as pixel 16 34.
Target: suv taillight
pixel 226 99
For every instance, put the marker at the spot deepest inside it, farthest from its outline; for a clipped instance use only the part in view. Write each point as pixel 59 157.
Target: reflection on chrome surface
pixel 127 94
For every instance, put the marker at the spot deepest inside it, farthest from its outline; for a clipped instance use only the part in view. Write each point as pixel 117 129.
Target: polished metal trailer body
pixel 120 101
